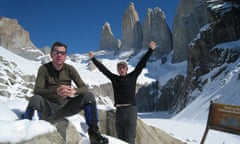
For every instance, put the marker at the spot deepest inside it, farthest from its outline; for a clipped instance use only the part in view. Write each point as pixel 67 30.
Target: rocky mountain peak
pixel 131 7
pixel 131 30
pixel 207 50
pixel 155 28
pixel 12 35
pixel 158 10
pixel 108 40
pixel 190 16
pixel 137 35
pixel 14 38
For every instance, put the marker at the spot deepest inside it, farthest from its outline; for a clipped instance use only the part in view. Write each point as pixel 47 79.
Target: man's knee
pixel 35 101
pixel 89 97
pixel 36 98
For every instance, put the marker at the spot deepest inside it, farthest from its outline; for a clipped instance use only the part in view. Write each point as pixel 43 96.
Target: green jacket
pixel 48 79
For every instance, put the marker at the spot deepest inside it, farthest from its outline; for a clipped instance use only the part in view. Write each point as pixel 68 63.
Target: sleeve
pixel 142 63
pixel 102 68
pixel 81 86
pixel 40 88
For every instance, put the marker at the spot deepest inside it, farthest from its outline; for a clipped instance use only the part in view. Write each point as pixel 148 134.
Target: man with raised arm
pixel 124 87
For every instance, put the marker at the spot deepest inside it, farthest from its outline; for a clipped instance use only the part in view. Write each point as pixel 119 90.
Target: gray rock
pixel 49 138
pixel 145 134
pixel 155 28
pixel 14 38
pixel 108 40
pixel 68 132
pixel 191 15
pixel 131 32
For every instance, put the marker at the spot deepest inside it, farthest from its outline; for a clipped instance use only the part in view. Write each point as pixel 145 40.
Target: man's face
pixel 58 55
pixel 122 70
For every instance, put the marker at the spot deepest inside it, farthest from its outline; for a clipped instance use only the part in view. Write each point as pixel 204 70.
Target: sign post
pixel 223 117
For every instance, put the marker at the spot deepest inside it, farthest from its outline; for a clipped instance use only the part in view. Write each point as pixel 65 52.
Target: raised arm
pixel 142 63
pixel 100 66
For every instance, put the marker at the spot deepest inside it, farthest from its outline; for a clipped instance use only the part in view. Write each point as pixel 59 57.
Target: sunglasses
pixel 56 52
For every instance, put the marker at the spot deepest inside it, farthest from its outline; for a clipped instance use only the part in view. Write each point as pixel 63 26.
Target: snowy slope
pixel 188 125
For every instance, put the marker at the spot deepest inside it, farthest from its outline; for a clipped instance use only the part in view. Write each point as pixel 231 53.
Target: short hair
pixel 122 63
pixel 57 43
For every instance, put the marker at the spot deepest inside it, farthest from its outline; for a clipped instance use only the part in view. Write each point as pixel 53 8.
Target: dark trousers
pixel 126 122
pixel 54 110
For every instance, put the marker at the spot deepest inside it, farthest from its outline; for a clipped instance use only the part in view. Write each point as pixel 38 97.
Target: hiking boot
pixel 96 137
pixel 28 114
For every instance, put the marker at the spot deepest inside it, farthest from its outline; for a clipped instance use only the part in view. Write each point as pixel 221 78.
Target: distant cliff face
pixel 136 36
pixel 204 52
pixel 14 38
pixel 201 49
pixel 223 27
pixel 155 28
pixel 191 15
pixel 108 40
pixel 131 31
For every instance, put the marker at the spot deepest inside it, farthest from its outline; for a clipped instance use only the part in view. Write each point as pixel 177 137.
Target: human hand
pixel 91 54
pixel 152 45
pixel 65 91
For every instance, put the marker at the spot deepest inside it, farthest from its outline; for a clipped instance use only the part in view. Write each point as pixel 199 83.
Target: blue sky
pixel 77 23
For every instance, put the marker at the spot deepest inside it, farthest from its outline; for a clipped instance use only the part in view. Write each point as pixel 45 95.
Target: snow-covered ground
pixel 188 125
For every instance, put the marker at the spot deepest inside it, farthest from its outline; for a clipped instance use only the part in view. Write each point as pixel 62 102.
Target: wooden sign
pixel 223 117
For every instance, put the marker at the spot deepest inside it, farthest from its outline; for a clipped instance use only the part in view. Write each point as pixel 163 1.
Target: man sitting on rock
pixel 55 98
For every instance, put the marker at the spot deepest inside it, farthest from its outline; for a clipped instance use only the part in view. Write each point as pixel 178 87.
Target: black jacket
pixel 124 87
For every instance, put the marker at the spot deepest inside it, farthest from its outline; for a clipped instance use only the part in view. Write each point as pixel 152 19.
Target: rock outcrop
pixel 67 133
pixel 11 77
pixel 168 95
pixel 146 96
pixel 205 53
pixel 108 40
pixel 155 28
pixel 191 15
pixel 131 32
pixel 49 138
pixel 14 38
pixel 145 133
pixel 46 50
pixel 225 28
